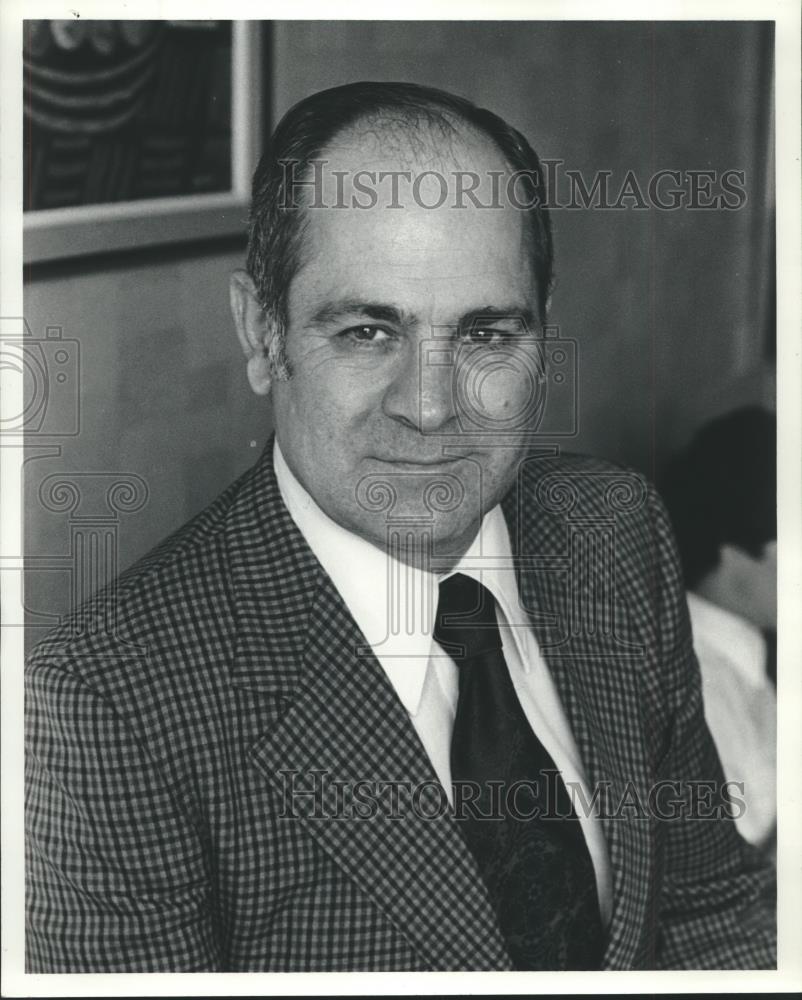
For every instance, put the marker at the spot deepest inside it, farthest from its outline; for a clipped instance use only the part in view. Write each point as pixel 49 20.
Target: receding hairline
pixel 444 132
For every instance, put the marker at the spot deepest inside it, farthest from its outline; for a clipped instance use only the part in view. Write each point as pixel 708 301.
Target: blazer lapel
pixel 341 731
pixel 566 578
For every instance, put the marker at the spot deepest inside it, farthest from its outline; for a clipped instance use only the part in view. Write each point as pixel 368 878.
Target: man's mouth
pixel 418 462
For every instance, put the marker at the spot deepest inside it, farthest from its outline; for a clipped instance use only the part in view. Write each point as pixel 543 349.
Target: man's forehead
pixel 403 223
pixel 438 265
pixel 367 181
pixel 413 243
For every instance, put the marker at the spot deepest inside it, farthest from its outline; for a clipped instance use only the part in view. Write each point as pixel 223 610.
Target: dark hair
pixel 722 489
pixel 276 224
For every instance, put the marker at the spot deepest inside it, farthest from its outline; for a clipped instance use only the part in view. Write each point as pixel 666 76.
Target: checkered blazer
pixel 165 719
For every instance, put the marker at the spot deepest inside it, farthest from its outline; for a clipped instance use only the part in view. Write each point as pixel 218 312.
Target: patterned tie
pixel 538 871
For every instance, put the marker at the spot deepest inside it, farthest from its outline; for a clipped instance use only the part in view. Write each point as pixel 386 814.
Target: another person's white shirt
pixel 424 678
pixel 740 709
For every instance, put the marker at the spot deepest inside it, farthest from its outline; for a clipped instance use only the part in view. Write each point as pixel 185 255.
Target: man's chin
pixel 419 492
pixel 420 537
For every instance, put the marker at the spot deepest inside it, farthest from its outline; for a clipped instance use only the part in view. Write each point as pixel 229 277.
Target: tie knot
pixel 465 625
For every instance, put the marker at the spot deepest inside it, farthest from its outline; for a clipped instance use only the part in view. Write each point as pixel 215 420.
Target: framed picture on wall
pixel 137 133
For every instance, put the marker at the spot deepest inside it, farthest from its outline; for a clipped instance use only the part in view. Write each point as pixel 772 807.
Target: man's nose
pixel 421 394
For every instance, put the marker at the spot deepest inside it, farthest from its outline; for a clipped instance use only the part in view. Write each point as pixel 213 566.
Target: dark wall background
pixel 671 311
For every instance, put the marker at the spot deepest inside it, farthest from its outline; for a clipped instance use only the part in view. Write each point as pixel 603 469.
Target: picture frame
pixel 53 234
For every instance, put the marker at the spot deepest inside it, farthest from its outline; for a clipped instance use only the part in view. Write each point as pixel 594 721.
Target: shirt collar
pixel 364 575
pixel 489 560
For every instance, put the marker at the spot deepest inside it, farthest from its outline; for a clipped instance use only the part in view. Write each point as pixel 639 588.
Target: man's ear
pixel 254 330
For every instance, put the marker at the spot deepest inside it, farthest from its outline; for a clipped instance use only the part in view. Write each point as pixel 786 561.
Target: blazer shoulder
pixel 562 498
pixel 157 647
pixel 574 484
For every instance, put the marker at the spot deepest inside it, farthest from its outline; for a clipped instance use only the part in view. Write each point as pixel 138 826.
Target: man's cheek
pixel 499 392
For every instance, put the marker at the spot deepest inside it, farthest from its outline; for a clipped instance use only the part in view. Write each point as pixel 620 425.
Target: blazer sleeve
pixel 717 904
pixel 116 877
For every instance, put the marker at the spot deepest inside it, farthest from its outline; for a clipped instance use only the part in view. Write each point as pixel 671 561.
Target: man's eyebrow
pixel 330 312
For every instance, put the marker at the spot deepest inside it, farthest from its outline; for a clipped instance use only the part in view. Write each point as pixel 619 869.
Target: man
pixel 302 746
pixel 721 494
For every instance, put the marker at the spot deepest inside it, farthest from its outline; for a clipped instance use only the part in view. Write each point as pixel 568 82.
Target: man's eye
pixel 367 334
pixel 483 336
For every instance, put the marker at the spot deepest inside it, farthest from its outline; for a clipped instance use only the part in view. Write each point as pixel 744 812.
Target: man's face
pixel 412 372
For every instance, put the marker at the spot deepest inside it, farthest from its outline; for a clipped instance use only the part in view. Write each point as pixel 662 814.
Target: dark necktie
pixel 537 870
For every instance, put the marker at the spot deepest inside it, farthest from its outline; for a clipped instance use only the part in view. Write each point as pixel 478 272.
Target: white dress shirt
pixel 740 709
pixel 399 632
